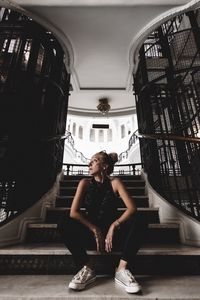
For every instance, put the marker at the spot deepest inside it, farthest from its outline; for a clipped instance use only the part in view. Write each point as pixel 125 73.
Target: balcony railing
pixel 123 169
pixel 132 141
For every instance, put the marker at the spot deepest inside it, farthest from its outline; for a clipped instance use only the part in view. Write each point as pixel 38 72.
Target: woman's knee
pixel 136 226
pixel 67 224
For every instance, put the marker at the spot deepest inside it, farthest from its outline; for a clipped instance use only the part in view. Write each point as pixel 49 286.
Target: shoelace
pixel 82 274
pixel 130 275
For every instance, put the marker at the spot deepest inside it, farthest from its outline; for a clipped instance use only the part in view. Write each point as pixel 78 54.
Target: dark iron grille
pixel 160 63
pixel 172 26
pixel 34 88
pixel 155 75
pixel 184 50
pixel 167 88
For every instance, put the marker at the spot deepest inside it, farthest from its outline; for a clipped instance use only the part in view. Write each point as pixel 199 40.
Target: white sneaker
pixel 125 278
pixel 84 277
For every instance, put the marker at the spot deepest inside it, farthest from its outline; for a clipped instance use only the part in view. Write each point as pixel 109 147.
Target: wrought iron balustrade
pixel 173 25
pixel 77 154
pixel 176 175
pixel 121 169
pixel 132 141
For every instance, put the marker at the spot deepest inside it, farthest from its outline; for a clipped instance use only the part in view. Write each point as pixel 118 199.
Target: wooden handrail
pixel 164 136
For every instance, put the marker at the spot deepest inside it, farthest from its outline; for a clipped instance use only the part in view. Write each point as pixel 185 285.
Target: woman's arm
pixel 119 187
pixel 76 204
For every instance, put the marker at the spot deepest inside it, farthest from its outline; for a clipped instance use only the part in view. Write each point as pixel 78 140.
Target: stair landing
pixel 56 288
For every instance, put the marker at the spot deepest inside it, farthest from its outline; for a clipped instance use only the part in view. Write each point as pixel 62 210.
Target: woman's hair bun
pixel 113 156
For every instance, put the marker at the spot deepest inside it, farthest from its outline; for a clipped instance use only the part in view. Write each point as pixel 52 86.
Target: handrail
pixel 55 138
pixel 177 176
pixel 162 136
pixel 71 142
pixel 131 141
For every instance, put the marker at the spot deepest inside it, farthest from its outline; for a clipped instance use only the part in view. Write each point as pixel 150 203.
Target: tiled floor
pixel 55 287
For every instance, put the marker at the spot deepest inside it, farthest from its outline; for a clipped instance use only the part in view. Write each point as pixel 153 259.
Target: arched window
pixel 109 135
pixel 101 136
pixel 74 129
pixel 80 132
pixel 92 135
pixel 122 131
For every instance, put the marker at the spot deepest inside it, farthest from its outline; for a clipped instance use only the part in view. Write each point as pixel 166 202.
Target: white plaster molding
pixel 189 227
pixel 147 30
pixel 15 231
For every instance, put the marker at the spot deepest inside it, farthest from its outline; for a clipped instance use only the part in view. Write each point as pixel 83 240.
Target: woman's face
pixel 95 166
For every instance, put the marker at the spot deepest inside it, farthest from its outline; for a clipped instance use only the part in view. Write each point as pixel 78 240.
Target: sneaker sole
pixel 80 286
pixel 131 290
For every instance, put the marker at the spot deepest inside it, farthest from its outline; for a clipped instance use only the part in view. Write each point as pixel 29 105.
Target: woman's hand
pixel 99 239
pixel 109 238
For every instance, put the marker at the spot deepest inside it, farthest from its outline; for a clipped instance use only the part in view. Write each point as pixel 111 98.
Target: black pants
pixel 78 238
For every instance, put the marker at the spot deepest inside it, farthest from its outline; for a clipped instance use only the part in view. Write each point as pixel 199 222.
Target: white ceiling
pixel 102 40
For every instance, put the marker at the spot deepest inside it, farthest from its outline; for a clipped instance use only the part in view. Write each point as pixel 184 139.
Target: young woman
pixel 101 224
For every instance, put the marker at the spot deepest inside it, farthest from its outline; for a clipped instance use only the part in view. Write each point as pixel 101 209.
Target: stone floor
pixel 55 287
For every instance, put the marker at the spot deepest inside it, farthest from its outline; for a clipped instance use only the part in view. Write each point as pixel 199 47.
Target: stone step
pixel 132 191
pixel 60 249
pixel 157 233
pixel 51 287
pixel 54 214
pixel 66 201
pixel 127 183
pixel 51 258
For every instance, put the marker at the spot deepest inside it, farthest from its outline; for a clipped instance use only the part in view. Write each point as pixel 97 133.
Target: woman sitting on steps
pixel 101 225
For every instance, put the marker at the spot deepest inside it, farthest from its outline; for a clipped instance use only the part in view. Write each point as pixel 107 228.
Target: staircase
pixel 44 253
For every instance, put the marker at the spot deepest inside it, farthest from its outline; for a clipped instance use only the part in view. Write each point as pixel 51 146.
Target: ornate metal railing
pixel 176 181
pixel 172 25
pixel 34 88
pixel 123 169
pixel 132 141
pixel 77 154
pixel 168 107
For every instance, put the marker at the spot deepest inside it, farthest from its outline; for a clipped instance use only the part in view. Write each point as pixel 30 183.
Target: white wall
pixel 118 143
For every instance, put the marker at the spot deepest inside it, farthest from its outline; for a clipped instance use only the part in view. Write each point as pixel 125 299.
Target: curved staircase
pixel 44 253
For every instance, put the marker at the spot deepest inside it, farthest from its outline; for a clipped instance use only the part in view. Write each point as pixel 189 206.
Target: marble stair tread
pixel 66 201
pixel 128 187
pixel 160 225
pixel 60 249
pixel 71 196
pixel 124 180
pixel 119 209
pixel 121 176
pixel 127 182
pixel 53 214
pixel 133 190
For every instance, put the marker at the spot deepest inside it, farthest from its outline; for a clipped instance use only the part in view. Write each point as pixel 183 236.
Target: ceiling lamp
pixel 103 106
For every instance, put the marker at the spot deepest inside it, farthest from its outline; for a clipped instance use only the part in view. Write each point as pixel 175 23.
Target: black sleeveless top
pixel 100 203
